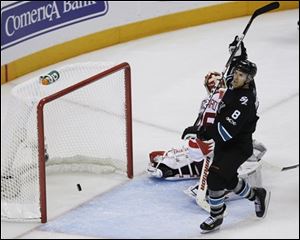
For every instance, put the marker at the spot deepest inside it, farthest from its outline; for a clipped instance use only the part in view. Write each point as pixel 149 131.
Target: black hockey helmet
pixel 248 67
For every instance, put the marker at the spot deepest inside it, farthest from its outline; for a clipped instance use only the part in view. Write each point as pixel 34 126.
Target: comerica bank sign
pixel 23 20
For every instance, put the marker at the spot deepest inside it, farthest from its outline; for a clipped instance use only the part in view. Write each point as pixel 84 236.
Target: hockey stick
pixel 201 193
pixel 202 187
pixel 257 12
pixel 289 167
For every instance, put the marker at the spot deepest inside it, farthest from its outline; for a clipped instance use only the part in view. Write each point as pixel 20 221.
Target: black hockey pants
pixel 227 159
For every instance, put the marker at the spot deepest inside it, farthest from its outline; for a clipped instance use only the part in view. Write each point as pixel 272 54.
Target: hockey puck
pixel 78 187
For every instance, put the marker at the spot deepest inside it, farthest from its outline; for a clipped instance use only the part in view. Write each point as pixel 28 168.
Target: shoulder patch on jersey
pixel 244 100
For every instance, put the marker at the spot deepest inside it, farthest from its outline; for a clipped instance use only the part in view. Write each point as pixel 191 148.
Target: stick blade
pixel 290 167
pixel 266 8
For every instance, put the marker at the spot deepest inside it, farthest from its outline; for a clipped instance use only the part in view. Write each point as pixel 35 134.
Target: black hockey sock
pixel 216 200
pixel 243 189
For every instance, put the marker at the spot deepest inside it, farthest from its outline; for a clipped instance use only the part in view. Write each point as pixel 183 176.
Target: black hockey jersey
pixel 236 117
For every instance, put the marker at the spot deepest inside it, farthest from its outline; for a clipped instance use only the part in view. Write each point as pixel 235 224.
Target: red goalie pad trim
pixel 153 154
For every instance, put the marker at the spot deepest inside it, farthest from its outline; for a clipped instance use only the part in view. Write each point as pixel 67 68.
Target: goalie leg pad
pixel 173 165
pixel 163 171
pixel 251 173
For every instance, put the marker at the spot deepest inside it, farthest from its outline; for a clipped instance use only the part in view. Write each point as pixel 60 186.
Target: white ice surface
pixel 167 74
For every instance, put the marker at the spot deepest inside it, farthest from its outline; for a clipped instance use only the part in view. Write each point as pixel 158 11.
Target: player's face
pixel 239 79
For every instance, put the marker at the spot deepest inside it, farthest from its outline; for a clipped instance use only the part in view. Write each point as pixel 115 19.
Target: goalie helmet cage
pixel 97 94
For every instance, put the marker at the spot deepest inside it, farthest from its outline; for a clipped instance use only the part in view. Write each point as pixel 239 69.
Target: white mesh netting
pixel 85 130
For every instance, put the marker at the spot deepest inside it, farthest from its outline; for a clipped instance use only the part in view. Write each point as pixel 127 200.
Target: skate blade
pixel 209 231
pixel 267 201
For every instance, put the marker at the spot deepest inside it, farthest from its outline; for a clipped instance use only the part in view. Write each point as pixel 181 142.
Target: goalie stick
pixel 201 193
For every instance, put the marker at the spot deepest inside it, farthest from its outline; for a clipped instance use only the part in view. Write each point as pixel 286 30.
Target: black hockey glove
pixel 192 132
pixel 202 134
pixel 241 53
pixel 189 132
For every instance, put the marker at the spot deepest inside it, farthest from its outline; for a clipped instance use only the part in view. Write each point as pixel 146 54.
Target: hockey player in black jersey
pixel 232 132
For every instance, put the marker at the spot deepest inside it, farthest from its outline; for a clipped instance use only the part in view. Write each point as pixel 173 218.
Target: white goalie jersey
pixel 209 108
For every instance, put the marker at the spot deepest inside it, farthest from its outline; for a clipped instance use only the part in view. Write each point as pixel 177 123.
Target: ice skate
pixel 211 224
pixel 261 201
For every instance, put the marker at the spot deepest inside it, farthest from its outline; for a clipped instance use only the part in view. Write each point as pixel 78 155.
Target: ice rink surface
pixel 167 84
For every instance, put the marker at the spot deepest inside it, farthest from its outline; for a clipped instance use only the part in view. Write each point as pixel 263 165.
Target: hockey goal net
pixel 80 122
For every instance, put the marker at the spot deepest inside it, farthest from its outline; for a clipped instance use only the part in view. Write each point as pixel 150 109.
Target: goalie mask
pixel 211 81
